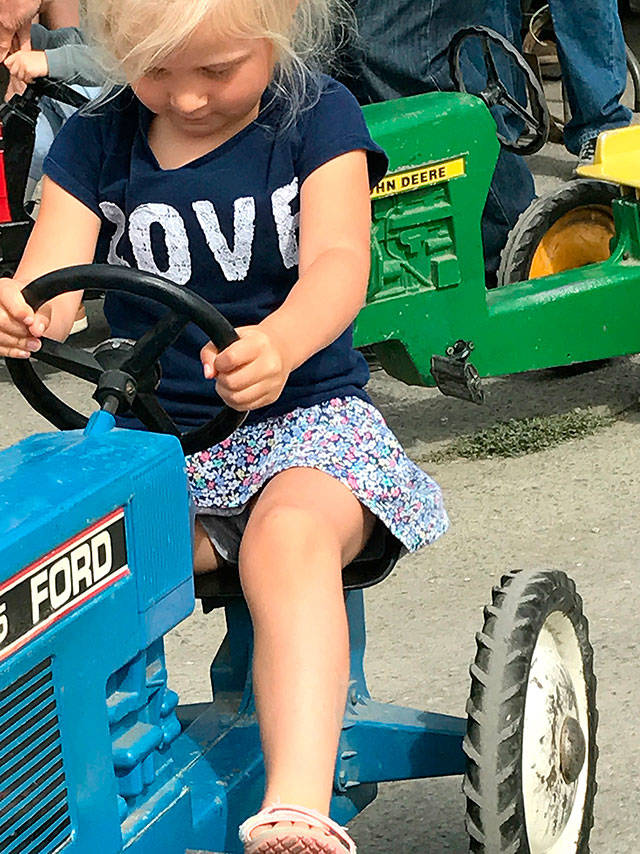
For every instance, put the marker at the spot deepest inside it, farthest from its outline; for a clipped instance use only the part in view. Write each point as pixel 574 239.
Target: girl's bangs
pixel 158 29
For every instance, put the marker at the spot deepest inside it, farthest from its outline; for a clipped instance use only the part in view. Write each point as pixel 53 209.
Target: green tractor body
pixel 427 288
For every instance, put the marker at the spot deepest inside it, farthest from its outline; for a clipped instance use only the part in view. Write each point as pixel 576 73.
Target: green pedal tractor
pixel 570 272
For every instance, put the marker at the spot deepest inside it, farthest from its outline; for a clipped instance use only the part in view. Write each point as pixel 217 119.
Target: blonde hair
pixel 133 36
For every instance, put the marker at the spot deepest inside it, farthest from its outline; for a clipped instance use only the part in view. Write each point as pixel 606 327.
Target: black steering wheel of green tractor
pixel 125 373
pixel 495 93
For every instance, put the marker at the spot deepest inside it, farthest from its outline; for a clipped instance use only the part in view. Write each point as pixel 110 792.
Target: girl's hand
pixel 20 326
pixel 251 372
pixel 26 65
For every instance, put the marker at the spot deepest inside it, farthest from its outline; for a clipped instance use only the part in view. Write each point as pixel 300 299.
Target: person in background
pixel 30 50
pixel 403 51
pixel 61 55
pixel 16 17
pixel 592 55
pixel 55 14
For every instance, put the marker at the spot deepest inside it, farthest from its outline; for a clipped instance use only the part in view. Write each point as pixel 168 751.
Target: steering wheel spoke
pixel 493 76
pixel 507 100
pixel 73 360
pixel 154 342
pixel 147 408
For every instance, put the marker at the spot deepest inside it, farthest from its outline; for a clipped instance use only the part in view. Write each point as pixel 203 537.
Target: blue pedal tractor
pixel 96 752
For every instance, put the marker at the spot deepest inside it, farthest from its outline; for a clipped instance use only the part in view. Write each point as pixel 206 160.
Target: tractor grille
pixel 34 816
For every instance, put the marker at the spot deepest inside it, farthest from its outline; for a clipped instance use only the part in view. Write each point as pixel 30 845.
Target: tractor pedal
pixel 455 376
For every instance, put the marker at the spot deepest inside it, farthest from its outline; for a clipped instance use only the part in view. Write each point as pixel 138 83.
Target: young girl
pixel 228 167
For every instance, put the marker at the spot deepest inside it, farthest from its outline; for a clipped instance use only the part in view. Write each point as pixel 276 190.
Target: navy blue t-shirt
pixel 224 225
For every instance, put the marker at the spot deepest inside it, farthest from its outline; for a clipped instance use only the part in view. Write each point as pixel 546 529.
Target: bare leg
pixel 303 529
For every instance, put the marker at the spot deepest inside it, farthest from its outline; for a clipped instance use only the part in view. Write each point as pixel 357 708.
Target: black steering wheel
pixel 125 373
pixel 495 93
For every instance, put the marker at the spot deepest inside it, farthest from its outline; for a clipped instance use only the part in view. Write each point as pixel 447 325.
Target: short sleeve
pixel 335 125
pixel 75 157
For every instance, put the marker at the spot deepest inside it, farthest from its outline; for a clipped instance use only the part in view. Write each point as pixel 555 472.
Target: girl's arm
pixel 335 257
pixel 335 225
pixel 65 234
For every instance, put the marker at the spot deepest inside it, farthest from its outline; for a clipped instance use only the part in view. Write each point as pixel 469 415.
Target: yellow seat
pixel 617 157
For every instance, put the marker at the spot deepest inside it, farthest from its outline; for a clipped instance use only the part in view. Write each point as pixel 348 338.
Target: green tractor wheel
pixel 567 228
pixel 531 729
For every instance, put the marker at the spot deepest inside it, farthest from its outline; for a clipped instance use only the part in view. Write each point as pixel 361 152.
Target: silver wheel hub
pixel 555 760
pixel 573 750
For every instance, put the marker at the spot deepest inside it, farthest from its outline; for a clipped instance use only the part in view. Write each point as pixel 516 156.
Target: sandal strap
pixel 292 813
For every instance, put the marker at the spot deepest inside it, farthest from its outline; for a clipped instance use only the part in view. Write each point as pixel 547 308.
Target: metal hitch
pixel 455 376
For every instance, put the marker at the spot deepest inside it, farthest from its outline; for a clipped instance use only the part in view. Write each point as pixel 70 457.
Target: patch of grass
pixel 517 437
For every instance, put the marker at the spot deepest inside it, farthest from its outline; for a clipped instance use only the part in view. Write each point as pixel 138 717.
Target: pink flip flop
pixel 286 829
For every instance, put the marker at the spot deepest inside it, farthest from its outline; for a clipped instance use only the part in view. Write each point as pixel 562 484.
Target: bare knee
pixel 288 554
pixel 286 527
pixel 285 531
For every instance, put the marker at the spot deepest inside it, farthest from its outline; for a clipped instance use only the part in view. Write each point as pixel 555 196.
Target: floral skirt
pixel 346 438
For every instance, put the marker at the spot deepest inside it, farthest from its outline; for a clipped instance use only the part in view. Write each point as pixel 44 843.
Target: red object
pixel 5 210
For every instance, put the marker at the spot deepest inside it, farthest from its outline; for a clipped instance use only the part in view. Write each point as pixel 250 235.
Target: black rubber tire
pixel 493 744
pixel 542 213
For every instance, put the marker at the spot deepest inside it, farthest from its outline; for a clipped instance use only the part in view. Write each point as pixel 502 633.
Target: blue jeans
pixel 591 50
pixel 401 50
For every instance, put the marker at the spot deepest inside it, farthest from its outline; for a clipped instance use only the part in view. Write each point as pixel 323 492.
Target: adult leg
pixel 591 49
pixel 303 529
pixel 53 115
pixel 510 193
pixel 49 122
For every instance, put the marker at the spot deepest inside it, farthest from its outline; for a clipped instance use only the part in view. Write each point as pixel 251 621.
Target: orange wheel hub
pixel 580 237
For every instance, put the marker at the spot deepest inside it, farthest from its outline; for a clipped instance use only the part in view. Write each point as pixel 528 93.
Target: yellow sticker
pixel 414 179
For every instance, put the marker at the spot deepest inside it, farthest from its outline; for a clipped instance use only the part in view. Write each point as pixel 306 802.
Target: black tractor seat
pixel 374 563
